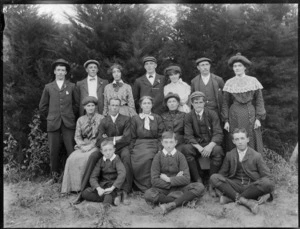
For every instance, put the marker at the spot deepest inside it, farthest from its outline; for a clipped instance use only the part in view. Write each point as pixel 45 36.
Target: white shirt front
pixel 114 118
pixel 111 159
pixel 166 152
pixel 205 79
pixel 60 83
pixel 200 114
pixel 242 154
pixel 92 86
pixel 152 78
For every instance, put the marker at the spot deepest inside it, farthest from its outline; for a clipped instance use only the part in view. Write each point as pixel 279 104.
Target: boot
pixel 249 203
pixel 167 207
pixel 117 200
pixel 78 200
pixel 225 200
pixel 125 198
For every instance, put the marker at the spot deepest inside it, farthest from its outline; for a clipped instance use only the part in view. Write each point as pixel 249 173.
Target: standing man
pixel 92 85
pixel 203 135
pixel 150 84
pixel 116 127
pixel 60 105
pixel 210 84
pixel 244 176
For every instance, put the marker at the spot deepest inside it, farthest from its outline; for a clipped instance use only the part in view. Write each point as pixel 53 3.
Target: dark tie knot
pixel 117 84
pixel 150 76
pixel 92 78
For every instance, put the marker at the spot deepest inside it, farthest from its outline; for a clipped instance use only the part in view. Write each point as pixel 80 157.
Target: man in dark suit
pixel 150 84
pixel 92 85
pixel 59 105
pixel 117 127
pixel 210 84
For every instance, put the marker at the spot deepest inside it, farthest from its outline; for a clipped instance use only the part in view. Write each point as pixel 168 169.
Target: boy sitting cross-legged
pixel 170 177
pixel 107 177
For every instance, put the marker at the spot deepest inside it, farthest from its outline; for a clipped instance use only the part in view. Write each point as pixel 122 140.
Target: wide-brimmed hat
pixel 149 58
pixel 199 60
pixel 62 62
pixel 172 67
pixel 91 62
pixel 171 95
pixel 89 99
pixel 197 94
pixel 238 58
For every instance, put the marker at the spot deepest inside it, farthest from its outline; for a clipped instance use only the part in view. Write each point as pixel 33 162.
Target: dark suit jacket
pixel 82 92
pixel 120 128
pixel 253 165
pixel 142 87
pixel 192 132
pixel 59 105
pixel 218 84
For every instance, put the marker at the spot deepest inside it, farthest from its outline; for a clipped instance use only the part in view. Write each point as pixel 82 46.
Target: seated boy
pixel 170 177
pixel 244 176
pixel 107 177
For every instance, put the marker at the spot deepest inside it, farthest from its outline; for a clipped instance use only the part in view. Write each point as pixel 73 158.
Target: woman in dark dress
pixel 243 103
pixel 146 130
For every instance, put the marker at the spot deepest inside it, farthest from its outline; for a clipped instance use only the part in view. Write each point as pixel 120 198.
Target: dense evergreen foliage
pixel 265 33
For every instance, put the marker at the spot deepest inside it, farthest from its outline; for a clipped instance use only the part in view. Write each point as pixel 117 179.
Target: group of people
pixel 159 136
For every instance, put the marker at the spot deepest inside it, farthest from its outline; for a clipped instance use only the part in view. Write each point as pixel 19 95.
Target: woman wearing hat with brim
pixel 243 103
pixel 178 86
pixel 86 133
pixel 173 118
pixel 121 90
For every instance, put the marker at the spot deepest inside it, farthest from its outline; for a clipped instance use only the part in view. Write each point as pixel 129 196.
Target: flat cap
pixel 238 58
pixel 199 60
pixel 197 94
pixel 91 62
pixel 149 58
pixel 172 67
pixel 63 62
pixel 171 95
pixel 89 99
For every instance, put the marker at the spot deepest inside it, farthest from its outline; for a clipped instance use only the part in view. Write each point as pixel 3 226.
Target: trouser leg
pixel 156 195
pixel 190 154
pixel 185 198
pixel 54 138
pixel 252 192
pixel 216 159
pixel 125 158
pixel 92 195
pixel 68 138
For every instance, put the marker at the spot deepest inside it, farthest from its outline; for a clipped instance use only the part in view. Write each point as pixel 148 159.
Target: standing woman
pixel 85 137
pixel 119 89
pixel 178 86
pixel 146 130
pixel 243 104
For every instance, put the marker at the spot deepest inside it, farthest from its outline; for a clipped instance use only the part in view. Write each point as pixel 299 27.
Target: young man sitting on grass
pixel 244 176
pixel 107 177
pixel 170 177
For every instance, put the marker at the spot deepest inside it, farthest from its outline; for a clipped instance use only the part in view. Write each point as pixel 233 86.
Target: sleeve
pixel 133 132
pixel 126 136
pixel 260 112
pixel 262 168
pixel 136 93
pixel 101 132
pixel 188 130
pixel 130 98
pixel 75 102
pixel 121 173
pixel 161 126
pixel 183 166
pixel 78 137
pixel 105 108
pixel 94 178
pixel 77 98
pixel 44 103
pixel 217 133
pixel 155 174
pixel 225 166
pixel 192 86
pixel 225 106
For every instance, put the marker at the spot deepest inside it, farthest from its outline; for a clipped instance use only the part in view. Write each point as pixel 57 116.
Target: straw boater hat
pixel 171 95
pixel 238 58
pixel 149 58
pixel 91 62
pixel 203 59
pixel 172 67
pixel 89 99
pixel 61 61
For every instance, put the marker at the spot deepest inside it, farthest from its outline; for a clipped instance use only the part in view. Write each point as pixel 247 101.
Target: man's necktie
pixel 150 76
pixel 92 78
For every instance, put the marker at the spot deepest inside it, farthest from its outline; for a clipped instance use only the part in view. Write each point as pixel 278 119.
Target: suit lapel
pixel 100 82
pixel 246 155
pixel 85 85
pixel 156 80
pixel 55 86
pixel 146 81
pixel 215 85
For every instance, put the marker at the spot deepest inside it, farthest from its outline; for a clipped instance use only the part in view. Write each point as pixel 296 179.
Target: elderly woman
pixel 243 104
pixel 178 86
pixel 174 119
pixel 85 138
pixel 146 129
pixel 119 89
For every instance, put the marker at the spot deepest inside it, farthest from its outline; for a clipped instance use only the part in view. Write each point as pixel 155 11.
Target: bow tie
pixel 92 78
pixel 150 76
pixel 147 118
pixel 117 84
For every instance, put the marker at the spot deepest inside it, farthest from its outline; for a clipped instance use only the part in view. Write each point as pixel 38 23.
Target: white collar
pixel 147 75
pixel 120 81
pixel 242 152
pixel 114 117
pixel 111 159
pixel 90 77
pixel 201 112
pixel 172 152
pixel 57 80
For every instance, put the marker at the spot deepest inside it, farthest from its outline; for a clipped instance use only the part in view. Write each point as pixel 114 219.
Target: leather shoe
pixel 167 207
pixel 251 204
pixel 225 200
pixel 125 199
pixel 117 200
pixel 78 200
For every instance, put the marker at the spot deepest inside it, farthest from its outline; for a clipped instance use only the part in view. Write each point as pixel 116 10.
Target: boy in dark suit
pixel 92 85
pixel 60 105
pixel 107 177
pixel 150 84
pixel 170 177
pixel 244 176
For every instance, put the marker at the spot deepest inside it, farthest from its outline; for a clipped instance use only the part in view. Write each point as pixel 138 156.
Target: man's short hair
pixel 106 142
pixel 239 130
pixel 114 99
pixel 168 135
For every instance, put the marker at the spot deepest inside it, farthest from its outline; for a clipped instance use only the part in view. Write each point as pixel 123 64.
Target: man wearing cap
pixel 203 135
pixel 92 85
pixel 59 105
pixel 210 84
pixel 150 84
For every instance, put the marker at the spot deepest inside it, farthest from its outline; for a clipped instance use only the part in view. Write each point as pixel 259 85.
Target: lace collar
pixel 242 84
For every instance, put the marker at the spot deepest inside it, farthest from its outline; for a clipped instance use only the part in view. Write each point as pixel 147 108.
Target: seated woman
pixel 178 86
pixel 85 138
pixel 174 119
pixel 119 89
pixel 146 129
